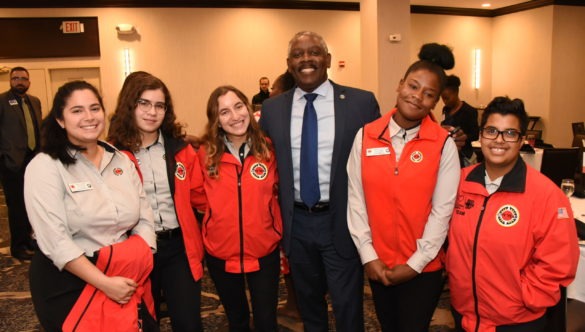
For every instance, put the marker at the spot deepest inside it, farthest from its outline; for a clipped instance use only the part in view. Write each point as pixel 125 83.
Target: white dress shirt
pixel 325 108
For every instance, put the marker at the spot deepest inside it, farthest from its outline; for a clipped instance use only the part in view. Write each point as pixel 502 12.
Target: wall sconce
pixel 125 29
pixel 476 68
pixel 127 62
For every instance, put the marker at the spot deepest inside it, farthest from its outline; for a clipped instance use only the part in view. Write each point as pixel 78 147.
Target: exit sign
pixel 72 27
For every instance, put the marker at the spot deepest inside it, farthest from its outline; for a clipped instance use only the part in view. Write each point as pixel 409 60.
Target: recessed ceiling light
pixel 486 5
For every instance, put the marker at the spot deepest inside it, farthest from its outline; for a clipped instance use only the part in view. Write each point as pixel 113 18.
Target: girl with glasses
pixel 145 127
pixel 512 240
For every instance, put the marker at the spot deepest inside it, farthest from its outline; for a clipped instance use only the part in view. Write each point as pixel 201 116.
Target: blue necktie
pixel 310 193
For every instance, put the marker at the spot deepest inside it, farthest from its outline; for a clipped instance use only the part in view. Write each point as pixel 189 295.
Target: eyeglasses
pixel 508 135
pixel 25 79
pixel 146 105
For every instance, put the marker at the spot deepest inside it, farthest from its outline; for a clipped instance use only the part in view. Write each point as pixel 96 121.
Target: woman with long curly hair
pixel 242 226
pixel 145 127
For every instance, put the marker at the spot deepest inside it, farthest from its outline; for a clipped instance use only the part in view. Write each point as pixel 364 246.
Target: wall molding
pixel 270 4
pixel 280 4
pixel 493 12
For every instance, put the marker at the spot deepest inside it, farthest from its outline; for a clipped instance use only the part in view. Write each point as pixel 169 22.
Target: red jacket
pixel 242 220
pixel 94 311
pixel 184 175
pixel 509 252
pixel 396 219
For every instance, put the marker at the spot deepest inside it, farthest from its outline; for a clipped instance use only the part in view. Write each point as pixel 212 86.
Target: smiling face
pixel 234 117
pixel 418 94
pixel 149 118
pixel 500 156
pixel 308 62
pixel 83 118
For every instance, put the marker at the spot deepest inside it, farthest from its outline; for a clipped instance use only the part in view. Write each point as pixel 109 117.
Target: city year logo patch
pixel 180 171
pixel 118 171
pixel 259 171
pixel 416 157
pixel 508 215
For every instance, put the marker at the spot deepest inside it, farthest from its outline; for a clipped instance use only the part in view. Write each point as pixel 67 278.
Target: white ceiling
pixel 467 3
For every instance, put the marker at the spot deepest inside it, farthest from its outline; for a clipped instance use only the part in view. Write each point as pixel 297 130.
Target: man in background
pixel 263 94
pixel 20 120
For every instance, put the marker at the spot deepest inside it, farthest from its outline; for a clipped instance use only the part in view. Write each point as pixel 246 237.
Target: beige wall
pixel 536 55
pixel 522 54
pixel 567 87
pixel 195 50
pixel 463 34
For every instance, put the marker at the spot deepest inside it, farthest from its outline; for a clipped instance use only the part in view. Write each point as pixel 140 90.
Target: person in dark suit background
pixel 316 240
pixel 20 118
pixel 264 93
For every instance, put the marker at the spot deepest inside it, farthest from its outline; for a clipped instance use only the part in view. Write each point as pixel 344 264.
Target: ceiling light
pixel 486 5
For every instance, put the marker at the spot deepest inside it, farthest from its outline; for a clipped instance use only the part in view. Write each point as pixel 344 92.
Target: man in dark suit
pixel 20 120
pixel 316 239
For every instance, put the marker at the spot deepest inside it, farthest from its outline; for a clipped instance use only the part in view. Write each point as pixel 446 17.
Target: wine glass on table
pixel 568 187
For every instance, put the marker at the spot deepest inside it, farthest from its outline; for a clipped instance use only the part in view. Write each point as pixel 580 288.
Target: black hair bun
pixel 453 82
pixel 438 54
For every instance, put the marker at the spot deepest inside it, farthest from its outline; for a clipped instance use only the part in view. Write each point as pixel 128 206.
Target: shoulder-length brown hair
pixel 124 132
pixel 214 135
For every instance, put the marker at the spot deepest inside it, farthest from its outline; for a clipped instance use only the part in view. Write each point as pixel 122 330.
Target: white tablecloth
pixel 533 159
pixel 576 290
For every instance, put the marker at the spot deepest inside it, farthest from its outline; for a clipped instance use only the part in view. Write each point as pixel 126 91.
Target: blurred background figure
pixel 282 83
pixel 459 114
pixel 20 122
pixel 145 127
pixel 264 93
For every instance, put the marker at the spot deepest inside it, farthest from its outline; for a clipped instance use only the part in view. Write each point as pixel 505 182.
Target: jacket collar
pixel 381 128
pixel 513 182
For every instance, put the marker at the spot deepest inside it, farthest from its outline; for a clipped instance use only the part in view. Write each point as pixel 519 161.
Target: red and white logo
pixel 180 171
pixel 416 157
pixel 118 171
pixel 508 215
pixel 259 171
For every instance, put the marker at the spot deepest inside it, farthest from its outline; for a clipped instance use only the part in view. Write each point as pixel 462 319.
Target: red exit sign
pixel 72 27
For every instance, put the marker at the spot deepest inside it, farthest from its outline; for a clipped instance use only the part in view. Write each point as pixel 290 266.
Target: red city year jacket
pixel 509 252
pixel 399 194
pixel 242 220
pixel 184 175
pixel 94 311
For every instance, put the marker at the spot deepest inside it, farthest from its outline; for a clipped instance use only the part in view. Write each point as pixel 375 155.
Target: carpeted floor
pixel 17 313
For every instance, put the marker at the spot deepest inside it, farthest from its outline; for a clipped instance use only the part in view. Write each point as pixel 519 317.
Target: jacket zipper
pixel 474 265
pixel 240 217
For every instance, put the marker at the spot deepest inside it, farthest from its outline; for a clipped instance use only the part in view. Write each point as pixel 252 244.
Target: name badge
pixel 377 151
pixel 13 102
pixel 80 186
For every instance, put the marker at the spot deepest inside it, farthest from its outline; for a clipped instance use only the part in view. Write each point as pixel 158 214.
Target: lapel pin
pixel 342 96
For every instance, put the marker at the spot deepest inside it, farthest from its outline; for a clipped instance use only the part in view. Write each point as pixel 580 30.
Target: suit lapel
pixel 340 109
pixel 285 125
pixel 16 108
